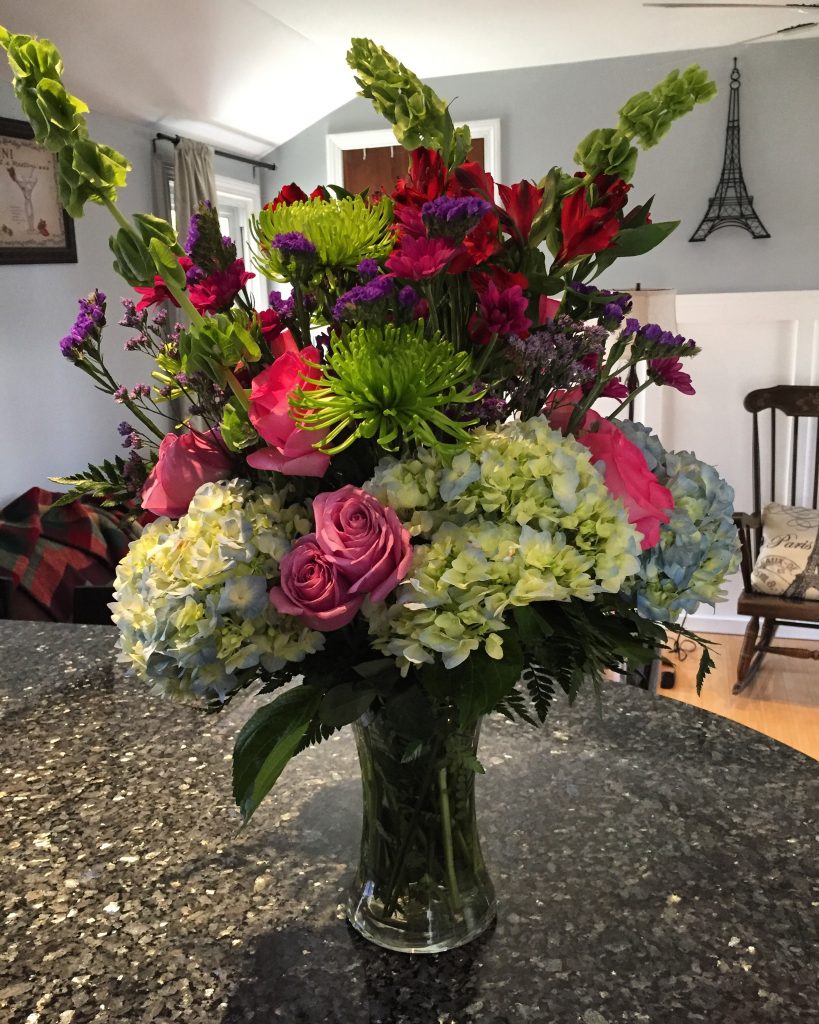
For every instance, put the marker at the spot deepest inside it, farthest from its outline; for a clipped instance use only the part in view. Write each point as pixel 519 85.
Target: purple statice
pixel 160 318
pixel 367 269
pixel 139 391
pixel 563 354
pixel 124 429
pixel 453 216
pixel 632 326
pixel 182 379
pixel 364 301
pixel 132 344
pixel 194 274
pixel 121 394
pixel 652 341
pixel 87 326
pixel 612 311
pixel 193 234
pixel 284 307
pixel 166 391
pixel 408 296
pixel 293 244
pixel 132 317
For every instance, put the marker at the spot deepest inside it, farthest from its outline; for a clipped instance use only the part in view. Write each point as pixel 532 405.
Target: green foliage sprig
pixel 87 170
pixel 645 118
pixel 418 115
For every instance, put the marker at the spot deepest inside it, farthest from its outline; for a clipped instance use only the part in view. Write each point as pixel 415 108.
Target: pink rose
pixel 627 476
pixel 625 468
pixel 313 588
pixel 364 539
pixel 186 461
pixel 291 450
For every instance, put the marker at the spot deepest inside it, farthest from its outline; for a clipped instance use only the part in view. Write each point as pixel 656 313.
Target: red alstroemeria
pixel 479 245
pixel 521 202
pixel 590 229
pixel 472 177
pixel 216 292
pixel 427 179
pixel 158 293
pixel 418 258
pixel 287 194
pixel 502 277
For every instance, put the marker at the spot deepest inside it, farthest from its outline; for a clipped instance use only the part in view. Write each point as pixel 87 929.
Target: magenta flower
pixel 670 372
pixel 418 258
pixel 500 311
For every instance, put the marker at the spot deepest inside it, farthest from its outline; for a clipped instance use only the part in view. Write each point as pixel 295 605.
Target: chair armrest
pixel 748 525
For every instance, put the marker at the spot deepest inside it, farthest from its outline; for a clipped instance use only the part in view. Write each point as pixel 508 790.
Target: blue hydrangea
pixel 699 546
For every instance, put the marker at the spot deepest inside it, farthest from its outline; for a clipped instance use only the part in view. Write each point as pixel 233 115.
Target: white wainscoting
pixel 748 340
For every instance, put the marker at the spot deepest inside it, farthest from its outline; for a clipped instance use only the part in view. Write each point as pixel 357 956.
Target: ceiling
pixel 246 75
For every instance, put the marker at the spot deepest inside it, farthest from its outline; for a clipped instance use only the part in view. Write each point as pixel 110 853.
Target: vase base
pixel 421 936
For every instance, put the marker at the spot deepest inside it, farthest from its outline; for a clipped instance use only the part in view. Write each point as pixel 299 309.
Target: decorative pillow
pixel 788 563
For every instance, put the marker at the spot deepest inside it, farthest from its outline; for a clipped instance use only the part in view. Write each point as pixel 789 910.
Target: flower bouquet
pixel 392 500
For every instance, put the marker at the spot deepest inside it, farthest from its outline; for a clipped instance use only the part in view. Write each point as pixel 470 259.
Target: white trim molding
pixel 489 130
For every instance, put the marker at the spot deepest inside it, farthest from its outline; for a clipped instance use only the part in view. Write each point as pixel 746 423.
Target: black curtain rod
pixel 220 152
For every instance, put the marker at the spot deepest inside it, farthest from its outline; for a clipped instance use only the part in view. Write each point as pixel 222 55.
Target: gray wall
pixel 52 420
pixel 545 111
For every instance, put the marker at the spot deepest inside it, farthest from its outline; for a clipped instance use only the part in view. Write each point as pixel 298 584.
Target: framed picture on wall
pixel 34 228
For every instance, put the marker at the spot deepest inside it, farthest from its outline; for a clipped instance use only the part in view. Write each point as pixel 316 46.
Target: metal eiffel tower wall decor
pixel 731 206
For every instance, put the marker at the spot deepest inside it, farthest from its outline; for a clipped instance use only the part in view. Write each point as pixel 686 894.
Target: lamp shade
pixel 655 306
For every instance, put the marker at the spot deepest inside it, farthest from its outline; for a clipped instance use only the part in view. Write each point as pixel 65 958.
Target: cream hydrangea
pixel 518 517
pixel 191 597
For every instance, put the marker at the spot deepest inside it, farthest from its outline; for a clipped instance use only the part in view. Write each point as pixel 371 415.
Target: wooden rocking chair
pixel 796 483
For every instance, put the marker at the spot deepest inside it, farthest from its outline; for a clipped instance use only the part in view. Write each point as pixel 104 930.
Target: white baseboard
pixel 735 624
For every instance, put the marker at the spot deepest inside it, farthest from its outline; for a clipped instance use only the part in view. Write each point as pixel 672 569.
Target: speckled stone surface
pixel 654 867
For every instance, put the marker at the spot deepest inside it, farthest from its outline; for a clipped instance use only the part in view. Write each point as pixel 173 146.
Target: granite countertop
pixel 652 867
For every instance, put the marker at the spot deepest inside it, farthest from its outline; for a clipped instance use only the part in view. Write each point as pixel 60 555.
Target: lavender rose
pixel 365 540
pixel 313 589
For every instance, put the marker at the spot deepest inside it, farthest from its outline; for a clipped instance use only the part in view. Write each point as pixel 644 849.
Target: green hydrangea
pixel 520 516
pixel 699 546
pixel 191 597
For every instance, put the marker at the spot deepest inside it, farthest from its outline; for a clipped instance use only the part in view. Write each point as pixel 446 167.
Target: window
pixel 236 202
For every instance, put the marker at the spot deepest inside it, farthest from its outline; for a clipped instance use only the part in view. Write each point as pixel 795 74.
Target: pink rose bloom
pixel 625 469
pixel 313 588
pixel 291 450
pixel 186 461
pixel 217 291
pixel 364 539
pixel 627 476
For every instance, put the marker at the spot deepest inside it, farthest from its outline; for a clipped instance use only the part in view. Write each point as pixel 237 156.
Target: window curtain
pixel 193 181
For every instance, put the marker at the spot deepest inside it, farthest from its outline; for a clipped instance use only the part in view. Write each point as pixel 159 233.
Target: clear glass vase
pixel 421 884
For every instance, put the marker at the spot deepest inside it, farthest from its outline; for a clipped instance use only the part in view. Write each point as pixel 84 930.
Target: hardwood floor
pixel 782 702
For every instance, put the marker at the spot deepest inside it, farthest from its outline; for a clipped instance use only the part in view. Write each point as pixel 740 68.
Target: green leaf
pixel 706 664
pixel 531 625
pixel 478 684
pixel 346 702
pixel 636 241
pixel 267 742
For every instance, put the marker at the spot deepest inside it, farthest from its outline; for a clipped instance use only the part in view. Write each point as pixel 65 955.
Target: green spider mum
pixel 389 382
pixel 344 231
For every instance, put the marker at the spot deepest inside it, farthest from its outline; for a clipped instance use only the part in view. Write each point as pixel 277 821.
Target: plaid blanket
pixel 48 552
